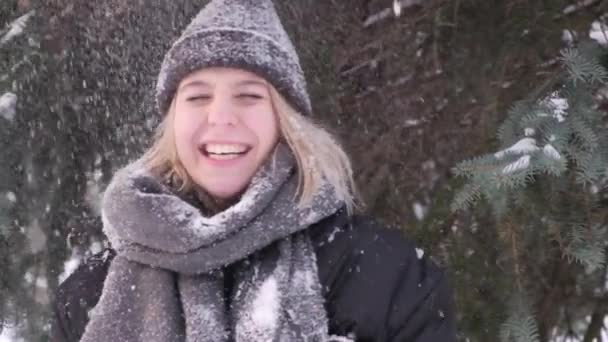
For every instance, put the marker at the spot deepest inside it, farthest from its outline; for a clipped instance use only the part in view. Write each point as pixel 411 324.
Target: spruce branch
pixel 582 68
pixel 520 326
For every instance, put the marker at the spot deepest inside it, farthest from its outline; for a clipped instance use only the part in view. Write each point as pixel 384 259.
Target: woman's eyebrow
pixel 194 84
pixel 251 82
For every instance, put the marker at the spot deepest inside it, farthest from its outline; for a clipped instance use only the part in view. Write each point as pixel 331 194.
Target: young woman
pixel 236 224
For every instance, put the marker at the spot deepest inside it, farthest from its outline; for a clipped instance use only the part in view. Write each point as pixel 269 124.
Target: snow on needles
pixel 599 32
pixel 525 145
pixel 551 152
pixel 16 28
pixel 529 132
pixel 558 106
pixel 521 164
pixel 558 109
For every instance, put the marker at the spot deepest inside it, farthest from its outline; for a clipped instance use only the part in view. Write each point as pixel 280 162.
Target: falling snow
pixel 8 102
pixel 11 197
pixel 419 210
pixel 412 123
pixel 40 281
pixel 397 7
pixel 36 237
pixel 419 253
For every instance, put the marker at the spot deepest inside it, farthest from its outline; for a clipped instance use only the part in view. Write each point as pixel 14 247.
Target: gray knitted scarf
pixel 166 282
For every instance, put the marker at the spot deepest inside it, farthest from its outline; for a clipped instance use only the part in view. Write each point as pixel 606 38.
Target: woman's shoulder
pixel 378 285
pixel 78 294
pixel 87 279
pixel 363 237
pixel 358 231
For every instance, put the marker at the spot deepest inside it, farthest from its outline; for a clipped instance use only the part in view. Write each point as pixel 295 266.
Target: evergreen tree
pixel 76 85
pixel 76 104
pixel 23 296
pixel 545 186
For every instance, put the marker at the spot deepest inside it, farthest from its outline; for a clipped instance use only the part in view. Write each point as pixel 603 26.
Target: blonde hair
pixel 320 158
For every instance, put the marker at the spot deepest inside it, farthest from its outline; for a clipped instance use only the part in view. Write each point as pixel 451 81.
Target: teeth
pixel 224 156
pixel 225 148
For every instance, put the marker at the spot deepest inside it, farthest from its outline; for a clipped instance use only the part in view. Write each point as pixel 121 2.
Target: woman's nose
pixel 221 111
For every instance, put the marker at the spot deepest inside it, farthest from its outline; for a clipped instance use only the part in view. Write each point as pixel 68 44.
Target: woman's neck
pixel 214 205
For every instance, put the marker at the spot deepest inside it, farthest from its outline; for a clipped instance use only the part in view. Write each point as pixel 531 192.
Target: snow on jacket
pixel 376 286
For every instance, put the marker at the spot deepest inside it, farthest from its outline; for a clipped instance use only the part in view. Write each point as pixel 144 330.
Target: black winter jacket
pixel 376 287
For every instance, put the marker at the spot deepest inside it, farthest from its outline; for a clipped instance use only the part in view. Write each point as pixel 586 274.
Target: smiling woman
pixel 225 127
pixel 237 224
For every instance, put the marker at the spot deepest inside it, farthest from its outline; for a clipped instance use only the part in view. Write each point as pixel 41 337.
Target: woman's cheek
pixel 185 128
pixel 188 120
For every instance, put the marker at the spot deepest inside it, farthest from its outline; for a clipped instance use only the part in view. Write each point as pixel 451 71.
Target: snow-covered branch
pixel 398 6
pixel 16 28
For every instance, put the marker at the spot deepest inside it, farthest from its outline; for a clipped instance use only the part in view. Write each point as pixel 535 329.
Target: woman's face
pixel 225 127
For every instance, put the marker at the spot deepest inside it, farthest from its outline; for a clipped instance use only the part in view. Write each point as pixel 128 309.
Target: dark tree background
pixel 409 97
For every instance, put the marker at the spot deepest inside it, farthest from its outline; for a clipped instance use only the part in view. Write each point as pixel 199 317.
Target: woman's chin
pixel 224 192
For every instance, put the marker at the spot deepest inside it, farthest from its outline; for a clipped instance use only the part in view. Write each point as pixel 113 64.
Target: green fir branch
pixel 582 68
pixel 480 164
pixel 584 133
pixel 586 245
pixel 466 197
pixel 536 119
pixel 520 326
pixel 510 129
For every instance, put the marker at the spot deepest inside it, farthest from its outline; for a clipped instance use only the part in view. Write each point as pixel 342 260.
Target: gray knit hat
pixel 245 34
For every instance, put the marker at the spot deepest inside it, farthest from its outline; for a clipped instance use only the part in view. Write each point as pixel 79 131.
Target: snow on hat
pixel 244 34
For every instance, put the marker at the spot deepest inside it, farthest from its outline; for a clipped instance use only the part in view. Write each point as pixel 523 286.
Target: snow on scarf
pixel 166 282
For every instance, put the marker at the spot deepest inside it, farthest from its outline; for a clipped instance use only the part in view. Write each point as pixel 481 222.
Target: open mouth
pixel 224 151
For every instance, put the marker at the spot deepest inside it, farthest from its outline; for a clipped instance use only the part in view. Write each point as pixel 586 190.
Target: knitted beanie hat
pixel 244 34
